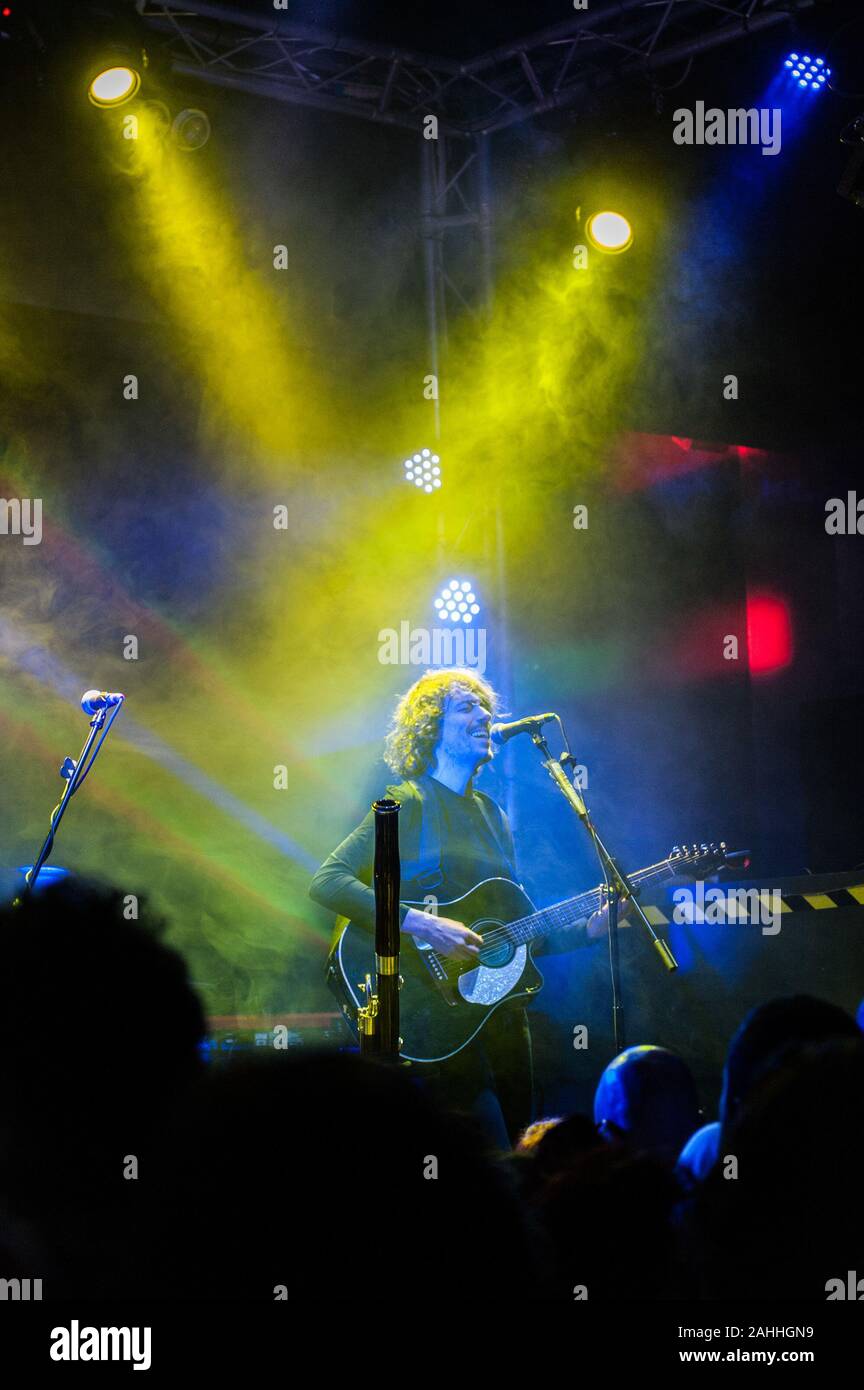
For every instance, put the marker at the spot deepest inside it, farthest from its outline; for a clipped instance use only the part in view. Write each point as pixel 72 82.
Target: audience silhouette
pixel 132 1168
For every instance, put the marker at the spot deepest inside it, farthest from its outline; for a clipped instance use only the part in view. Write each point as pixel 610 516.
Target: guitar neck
pixel 572 910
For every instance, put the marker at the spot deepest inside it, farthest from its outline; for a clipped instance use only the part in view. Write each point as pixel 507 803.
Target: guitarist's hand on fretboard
pixel 445 936
pixel 598 923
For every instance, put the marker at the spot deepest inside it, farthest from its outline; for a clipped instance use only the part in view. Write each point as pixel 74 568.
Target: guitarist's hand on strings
pixel 598 923
pixel 444 935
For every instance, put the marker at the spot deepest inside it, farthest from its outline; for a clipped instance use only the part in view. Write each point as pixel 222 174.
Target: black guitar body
pixel 444 1003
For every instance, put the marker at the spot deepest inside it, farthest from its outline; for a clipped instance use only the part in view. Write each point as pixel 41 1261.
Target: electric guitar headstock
pixel 698 861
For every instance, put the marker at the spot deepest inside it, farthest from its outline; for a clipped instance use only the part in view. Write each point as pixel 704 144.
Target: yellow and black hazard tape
pixel 852 896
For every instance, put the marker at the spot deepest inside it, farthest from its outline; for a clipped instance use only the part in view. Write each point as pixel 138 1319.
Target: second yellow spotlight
pixel 609 232
pixel 113 86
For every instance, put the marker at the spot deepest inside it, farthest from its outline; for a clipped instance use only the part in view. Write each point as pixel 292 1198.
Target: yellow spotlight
pixel 113 86
pixel 609 232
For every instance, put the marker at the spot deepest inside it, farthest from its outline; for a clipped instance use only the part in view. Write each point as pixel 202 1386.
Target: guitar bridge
pixel 438 971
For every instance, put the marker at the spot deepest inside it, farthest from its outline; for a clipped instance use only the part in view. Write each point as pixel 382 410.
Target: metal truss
pixel 610 41
pixel 455 201
pixel 607 42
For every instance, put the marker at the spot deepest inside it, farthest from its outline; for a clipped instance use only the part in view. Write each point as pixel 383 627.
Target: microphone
pixel 502 733
pixel 93 700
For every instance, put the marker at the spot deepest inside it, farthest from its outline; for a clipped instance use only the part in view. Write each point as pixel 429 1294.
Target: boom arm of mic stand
pixel 622 886
pixel 74 773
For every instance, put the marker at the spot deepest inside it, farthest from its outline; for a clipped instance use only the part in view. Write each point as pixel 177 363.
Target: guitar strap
pixel 493 831
pixel 428 873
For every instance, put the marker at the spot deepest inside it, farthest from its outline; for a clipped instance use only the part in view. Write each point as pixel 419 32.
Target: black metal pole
pixel 387 926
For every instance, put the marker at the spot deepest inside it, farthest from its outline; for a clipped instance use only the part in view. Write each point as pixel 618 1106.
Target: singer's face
pixel 464 734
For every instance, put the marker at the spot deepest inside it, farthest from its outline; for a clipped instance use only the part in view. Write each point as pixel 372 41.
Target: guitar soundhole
pixel 498 952
pixel 494 959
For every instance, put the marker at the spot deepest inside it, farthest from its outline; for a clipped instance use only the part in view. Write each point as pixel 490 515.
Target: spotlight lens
pixel 802 83
pixel 609 231
pixel 113 86
pixel 794 56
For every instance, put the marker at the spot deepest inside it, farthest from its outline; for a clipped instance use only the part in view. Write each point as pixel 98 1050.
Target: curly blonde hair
pixel 416 723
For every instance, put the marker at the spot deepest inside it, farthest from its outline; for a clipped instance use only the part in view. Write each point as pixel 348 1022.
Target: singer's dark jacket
pixel 447 844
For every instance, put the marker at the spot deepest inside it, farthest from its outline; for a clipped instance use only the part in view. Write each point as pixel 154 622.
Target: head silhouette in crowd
pixel 792 1220
pixel 99 1025
pixel 766 1033
pixel 647 1096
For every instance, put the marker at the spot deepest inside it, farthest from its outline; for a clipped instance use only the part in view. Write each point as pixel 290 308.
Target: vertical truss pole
pixel 432 169
pixel 471 187
pixel 432 195
pixel 484 223
pixel 485 229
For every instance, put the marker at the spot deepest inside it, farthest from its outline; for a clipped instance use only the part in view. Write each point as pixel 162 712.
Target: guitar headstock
pixel 697 861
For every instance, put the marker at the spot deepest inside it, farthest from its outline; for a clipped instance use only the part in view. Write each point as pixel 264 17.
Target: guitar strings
pixel 504 935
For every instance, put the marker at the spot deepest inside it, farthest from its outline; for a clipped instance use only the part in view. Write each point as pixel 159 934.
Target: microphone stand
pixel 73 773
pixel 378 1019
pixel 617 883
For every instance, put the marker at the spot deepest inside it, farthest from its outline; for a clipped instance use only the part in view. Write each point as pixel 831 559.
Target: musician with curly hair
pixel 451 838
